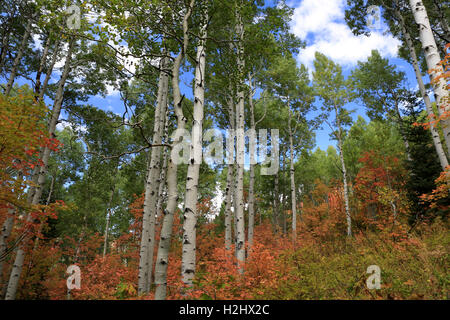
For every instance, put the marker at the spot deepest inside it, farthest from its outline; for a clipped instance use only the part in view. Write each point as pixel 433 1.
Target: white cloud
pixel 37 42
pixel 62 124
pixel 321 23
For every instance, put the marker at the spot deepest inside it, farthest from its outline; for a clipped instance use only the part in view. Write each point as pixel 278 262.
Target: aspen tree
pixel 433 59
pixel 162 259
pixel 195 157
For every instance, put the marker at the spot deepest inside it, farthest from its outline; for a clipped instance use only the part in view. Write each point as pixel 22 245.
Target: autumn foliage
pixel 322 262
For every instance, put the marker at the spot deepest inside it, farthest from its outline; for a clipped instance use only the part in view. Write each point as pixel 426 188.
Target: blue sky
pixel 321 23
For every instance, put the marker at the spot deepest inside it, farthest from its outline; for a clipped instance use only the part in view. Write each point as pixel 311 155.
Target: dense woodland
pixel 150 206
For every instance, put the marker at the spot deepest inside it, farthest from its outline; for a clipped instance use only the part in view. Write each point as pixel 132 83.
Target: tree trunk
pixel 47 202
pixel 4 51
pixel 402 130
pixel 151 188
pixel 56 111
pixel 432 58
pixel 415 63
pixel 162 177
pixel 344 175
pixel 292 177
pixel 18 262
pixel 37 86
pixel 6 232
pixel 195 159
pixel 229 192
pixel 251 188
pixel 13 74
pixel 108 217
pixel 276 202
pixel 48 75
pixel 240 144
pixel 162 259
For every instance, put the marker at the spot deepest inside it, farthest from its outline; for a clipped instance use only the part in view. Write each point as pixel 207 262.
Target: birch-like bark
pixel 251 187
pixel 162 177
pixel 415 63
pixel 56 111
pixel 229 191
pixel 20 256
pixel 240 143
pixel 433 58
pixel 283 194
pixel 276 202
pixel 15 67
pixel 195 159
pixel 344 175
pixel 48 75
pixel 108 217
pixel 162 259
pixel 151 188
pixel 292 177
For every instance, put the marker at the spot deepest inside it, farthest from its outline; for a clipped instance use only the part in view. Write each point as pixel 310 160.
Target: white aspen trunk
pixel 35 174
pixel 20 256
pixel 18 58
pixel 235 179
pixel 48 75
pixel 235 204
pixel 108 217
pixel 162 177
pixel 229 192
pixel 292 177
pixel 432 58
pixel 156 175
pixel 56 111
pixel 162 259
pixel 392 202
pixel 195 159
pixel 344 175
pixel 251 188
pixel 151 189
pixel 276 203
pixel 240 144
pixel 415 63
pixel 284 196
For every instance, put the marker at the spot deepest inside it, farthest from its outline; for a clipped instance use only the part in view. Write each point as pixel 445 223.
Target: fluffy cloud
pixel 321 23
